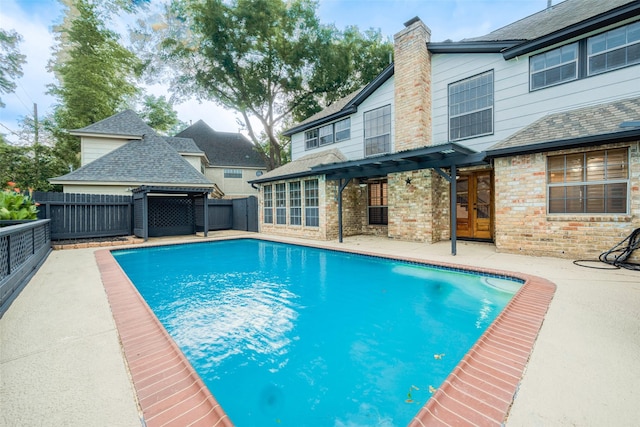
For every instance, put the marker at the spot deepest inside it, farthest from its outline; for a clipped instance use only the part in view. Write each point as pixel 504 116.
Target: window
pixel 281 204
pixel 377 131
pixel 378 210
pixel 311 203
pixel 554 67
pixel 594 182
pixel 614 49
pixel 326 135
pixel 295 203
pixel 311 139
pixel 471 107
pixel 233 173
pixel 343 129
pixel 268 205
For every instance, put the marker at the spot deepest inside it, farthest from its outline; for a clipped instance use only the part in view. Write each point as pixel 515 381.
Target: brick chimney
pixel 412 79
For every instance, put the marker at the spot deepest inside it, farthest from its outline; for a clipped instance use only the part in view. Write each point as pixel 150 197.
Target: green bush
pixel 15 205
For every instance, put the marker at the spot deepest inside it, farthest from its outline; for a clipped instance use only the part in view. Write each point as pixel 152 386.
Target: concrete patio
pixel 61 361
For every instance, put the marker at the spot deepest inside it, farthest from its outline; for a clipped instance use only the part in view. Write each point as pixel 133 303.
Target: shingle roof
pixel 223 148
pixel 302 166
pixel 333 108
pixel 183 145
pixel 547 21
pixel 125 123
pixel 592 121
pixel 150 160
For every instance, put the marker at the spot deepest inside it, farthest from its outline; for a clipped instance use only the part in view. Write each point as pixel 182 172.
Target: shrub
pixel 16 206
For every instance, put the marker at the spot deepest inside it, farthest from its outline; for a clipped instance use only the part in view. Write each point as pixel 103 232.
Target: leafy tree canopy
pixel 158 113
pixel 96 75
pixel 11 61
pixel 270 60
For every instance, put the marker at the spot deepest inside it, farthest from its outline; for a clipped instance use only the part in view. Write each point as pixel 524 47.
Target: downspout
pixel 342 186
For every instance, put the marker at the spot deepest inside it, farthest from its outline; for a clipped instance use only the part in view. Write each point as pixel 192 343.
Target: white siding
pixel 92 148
pixel 352 148
pixel 514 106
pixel 195 161
pixel 120 190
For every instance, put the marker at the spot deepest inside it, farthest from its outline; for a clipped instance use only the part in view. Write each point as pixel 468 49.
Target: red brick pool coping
pixel 479 391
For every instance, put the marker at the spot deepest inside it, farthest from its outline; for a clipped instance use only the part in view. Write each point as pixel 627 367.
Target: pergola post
pixel 205 215
pixel 342 184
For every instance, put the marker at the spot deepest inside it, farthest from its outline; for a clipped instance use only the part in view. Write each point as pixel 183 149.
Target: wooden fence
pixel 80 216
pixel 23 247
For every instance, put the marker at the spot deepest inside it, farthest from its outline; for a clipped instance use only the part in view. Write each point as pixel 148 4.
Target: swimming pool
pixel 268 320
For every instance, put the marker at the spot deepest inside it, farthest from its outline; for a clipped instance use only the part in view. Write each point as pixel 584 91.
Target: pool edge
pixel 479 391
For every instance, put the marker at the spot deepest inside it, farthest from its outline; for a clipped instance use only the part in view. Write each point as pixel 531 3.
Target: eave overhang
pixel 613 16
pixel 472 47
pixel 351 107
pixel 105 135
pixel 171 190
pixel 560 144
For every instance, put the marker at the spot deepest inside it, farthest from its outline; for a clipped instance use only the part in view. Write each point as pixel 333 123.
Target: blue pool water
pixel 288 335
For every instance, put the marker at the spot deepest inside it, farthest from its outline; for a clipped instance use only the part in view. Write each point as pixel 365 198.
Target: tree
pixel 158 113
pixel 11 61
pixel 96 75
pixel 30 162
pixel 270 60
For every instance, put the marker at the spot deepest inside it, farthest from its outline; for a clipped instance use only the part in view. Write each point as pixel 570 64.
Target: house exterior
pixel 232 159
pixel 527 137
pixel 122 153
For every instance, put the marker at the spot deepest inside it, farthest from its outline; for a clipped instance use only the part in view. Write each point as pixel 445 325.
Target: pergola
pixel 141 203
pixel 442 157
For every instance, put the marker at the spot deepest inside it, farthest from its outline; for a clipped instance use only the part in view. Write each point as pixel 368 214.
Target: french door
pixel 474 205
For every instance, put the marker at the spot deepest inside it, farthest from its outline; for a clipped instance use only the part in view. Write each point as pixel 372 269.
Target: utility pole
pixel 36 144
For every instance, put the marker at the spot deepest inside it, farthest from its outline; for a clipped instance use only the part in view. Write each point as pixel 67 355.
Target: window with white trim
pixel 471 107
pixel 311 139
pixel 377 131
pixel 343 129
pixel 554 67
pixel 295 203
pixel 594 182
pixel 326 134
pixel 311 203
pixel 281 204
pixel 614 49
pixel 268 204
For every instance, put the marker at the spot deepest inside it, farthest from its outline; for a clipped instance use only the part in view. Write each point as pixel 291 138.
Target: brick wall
pixel 418 210
pixel 412 82
pixel 523 225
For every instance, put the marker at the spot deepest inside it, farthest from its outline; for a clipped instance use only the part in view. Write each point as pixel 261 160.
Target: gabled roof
pixel 223 148
pixel 591 125
pixel 126 123
pixel 560 22
pixel 150 160
pixel 303 166
pixel 344 106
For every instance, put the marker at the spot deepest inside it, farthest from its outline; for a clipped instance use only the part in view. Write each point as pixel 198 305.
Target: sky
pixel 447 19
